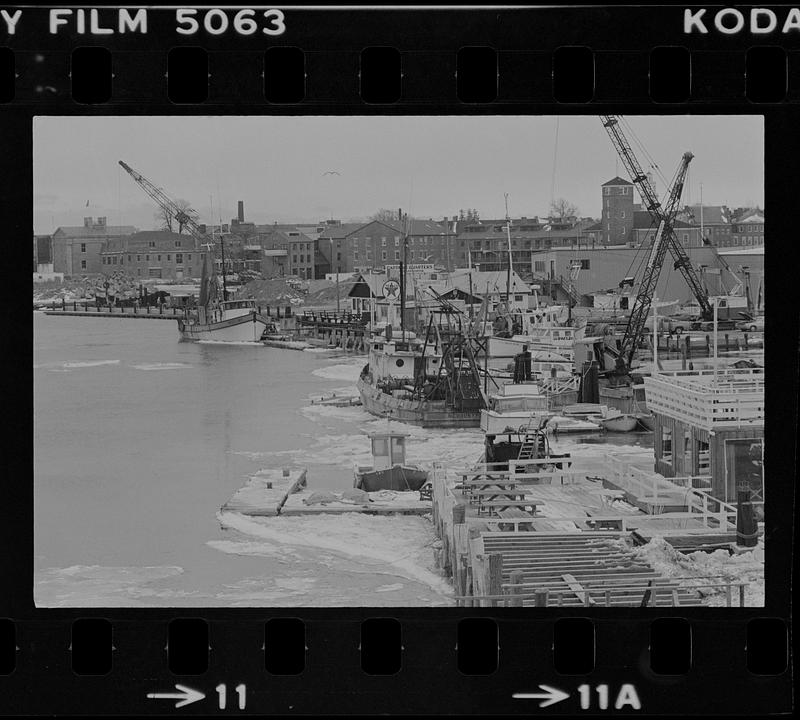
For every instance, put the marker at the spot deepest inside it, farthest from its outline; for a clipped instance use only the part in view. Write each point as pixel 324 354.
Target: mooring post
pixel 745 341
pixel 708 346
pixel 494 571
pixel 726 342
pixel 516 589
pixel 540 598
pixel 688 347
pixel 683 359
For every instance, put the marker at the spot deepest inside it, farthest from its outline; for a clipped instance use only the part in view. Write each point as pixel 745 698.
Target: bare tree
pixel 562 209
pixel 166 217
pixel 384 215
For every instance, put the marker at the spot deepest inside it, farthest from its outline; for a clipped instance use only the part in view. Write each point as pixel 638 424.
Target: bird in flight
pixel 331 172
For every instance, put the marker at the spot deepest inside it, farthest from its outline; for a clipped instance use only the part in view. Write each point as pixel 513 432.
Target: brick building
pixel 616 221
pixel 77 250
pixel 486 242
pixel 154 254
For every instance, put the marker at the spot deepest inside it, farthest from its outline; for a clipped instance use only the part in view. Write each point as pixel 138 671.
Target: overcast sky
pixel 429 166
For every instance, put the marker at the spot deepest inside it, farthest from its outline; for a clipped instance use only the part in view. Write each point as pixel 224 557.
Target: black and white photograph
pixel 382 361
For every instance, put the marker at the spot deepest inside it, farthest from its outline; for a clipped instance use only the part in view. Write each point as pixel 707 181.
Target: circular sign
pixel 391 290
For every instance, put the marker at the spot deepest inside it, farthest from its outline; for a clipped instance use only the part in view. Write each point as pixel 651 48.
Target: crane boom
pixel 166 202
pixel 681 259
pixel 180 214
pixel 647 287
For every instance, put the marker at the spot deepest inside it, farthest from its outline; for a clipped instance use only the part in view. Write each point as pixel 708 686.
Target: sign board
pixel 391 290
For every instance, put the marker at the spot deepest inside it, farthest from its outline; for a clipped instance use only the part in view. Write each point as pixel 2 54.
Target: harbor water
pixel 140 439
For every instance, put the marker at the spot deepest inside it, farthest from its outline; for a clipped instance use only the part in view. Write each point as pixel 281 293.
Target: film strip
pixel 492 607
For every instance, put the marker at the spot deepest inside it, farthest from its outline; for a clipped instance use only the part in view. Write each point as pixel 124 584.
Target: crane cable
pixel 553 175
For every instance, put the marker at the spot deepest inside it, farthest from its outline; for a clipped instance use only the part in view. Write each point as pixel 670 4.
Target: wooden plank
pixel 578 589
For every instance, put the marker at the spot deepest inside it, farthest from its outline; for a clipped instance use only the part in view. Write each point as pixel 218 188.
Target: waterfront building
pixel 710 423
pixel 78 250
pixel 485 243
pixel 603 268
pixel 154 254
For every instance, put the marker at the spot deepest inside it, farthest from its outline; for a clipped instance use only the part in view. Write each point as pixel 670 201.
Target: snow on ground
pixel 398 545
pixel 697 568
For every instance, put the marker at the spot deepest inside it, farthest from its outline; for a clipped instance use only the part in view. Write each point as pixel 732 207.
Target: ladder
pixel 529 450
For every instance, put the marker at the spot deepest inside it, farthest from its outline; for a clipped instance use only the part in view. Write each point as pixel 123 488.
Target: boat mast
pixel 403 284
pixel 508 274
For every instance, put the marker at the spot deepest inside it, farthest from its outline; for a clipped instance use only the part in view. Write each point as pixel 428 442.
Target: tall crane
pixel 665 239
pixel 181 215
pixel 653 206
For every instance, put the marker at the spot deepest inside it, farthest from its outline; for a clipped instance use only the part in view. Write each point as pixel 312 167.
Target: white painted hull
pixel 247 327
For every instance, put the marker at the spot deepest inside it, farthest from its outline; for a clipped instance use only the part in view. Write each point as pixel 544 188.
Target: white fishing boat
pixel 221 320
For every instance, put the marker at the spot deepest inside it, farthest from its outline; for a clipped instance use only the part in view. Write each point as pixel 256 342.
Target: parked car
pixel 753 325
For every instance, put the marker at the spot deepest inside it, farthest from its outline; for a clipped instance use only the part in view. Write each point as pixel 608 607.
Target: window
pixel 294 259
pixel 83 264
pixel 396 241
pixel 538 265
pixel 169 257
pixel 177 243
pixel 138 271
pixel 396 254
pixel 151 243
pixel 83 247
pixel 383 242
pixel 666 444
pixel 744 465
pixel 369 254
pixel 626 190
pixel 606 191
pixel 383 255
pixel 147 257
pixel 584 264
pixel 159 258
pixel 622 214
pixel 121 260
pixel 179 258
pixel 189 270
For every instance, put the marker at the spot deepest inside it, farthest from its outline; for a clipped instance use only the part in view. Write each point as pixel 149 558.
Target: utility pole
pixel 508 274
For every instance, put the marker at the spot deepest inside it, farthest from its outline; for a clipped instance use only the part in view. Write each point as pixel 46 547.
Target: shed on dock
pixel 710 423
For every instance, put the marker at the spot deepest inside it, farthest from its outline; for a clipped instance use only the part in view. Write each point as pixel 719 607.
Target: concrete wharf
pixel 530 533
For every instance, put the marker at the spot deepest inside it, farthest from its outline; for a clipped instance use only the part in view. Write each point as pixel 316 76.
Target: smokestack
pixel 400 214
pixel 241 211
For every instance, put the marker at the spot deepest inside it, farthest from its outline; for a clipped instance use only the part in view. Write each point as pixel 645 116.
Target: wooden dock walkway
pixel 559 537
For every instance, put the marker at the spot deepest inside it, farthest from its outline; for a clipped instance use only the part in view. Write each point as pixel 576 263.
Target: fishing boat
pixel 221 320
pixel 433 382
pixel 389 470
pixel 514 405
pixel 411 381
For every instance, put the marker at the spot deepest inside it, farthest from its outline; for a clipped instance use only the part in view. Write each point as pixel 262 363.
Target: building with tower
pixel 617 216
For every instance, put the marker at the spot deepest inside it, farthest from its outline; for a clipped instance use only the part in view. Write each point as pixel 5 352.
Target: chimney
pixel 241 211
pixel 87 222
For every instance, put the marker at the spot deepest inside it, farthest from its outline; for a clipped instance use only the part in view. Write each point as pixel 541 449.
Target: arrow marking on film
pixel 186 696
pixel 550 696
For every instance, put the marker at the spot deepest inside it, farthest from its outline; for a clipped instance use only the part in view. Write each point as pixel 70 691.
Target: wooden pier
pixel 534 534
